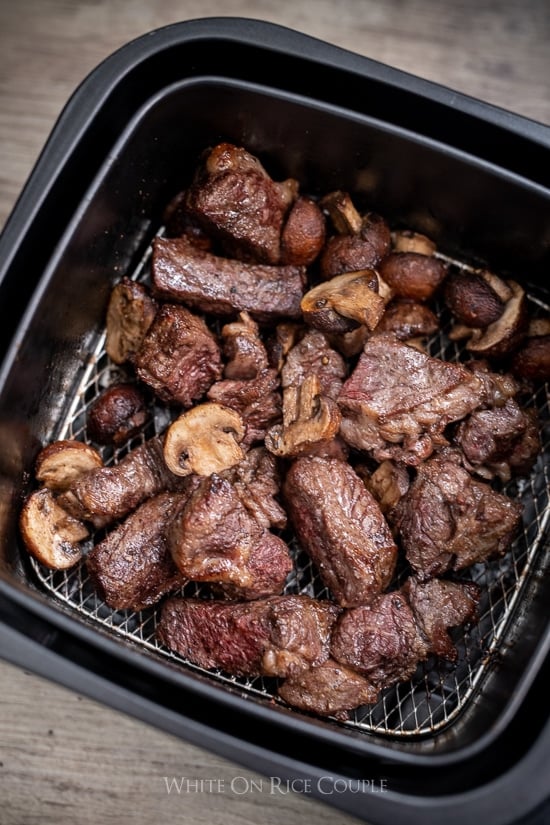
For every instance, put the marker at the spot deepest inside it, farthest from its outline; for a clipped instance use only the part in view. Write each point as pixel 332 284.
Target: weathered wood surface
pixel 63 758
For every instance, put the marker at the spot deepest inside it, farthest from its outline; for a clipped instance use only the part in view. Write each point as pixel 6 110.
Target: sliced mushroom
pixel 309 419
pixel 130 313
pixel 59 464
pixel 507 332
pixel 343 214
pixel 345 301
pixel 472 299
pixel 117 414
pixel 412 275
pixel 50 534
pixel 405 240
pixel 204 440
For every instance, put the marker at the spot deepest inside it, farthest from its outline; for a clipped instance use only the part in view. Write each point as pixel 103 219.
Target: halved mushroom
pixel 309 419
pixel 472 298
pixel 50 534
pixel 507 332
pixel 204 440
pixel 532 360
pixel 345 301
pixel 130 313
pixel 376 232
pixel 404 240
pixel 303 234
pixel 343 214
pixel 59 464
pixel 117 414
pixel 412 275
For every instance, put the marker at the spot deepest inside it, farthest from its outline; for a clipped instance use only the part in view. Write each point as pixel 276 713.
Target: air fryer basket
pixel 468 175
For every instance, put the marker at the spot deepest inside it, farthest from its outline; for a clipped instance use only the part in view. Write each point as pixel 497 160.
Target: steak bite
pixel 448 520
pixel 398 401
pixel 214 538
pixel 235 200
pixel 381 641
pixel 256 480
pixel 132 567
pixel 221 286
pixel 340 525
pixel 313 355
pixel 439 604
pixel 179 357
pixel 276 636
pixel 330 689
pixel 110 493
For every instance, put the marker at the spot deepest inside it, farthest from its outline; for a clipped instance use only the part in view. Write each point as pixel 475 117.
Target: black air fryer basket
pixel 456 744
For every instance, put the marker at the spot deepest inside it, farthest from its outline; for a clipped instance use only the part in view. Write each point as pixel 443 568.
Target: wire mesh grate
pixel 438 691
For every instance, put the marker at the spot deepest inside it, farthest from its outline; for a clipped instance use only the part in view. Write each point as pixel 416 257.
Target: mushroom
pixel 405 240
pixel 204 440
pixel 345 301
pixel 286 335
pixel 50 534
pixel 309 419
pixel 130 313
pixel 303 234
pixel 243 348
pixel 376 232
pixel 59 464
pixel 388 484
pixel 412 275
pixel 476 299
pixel 117 414
pixel 507 332
pixel 343 214
pixel 532 360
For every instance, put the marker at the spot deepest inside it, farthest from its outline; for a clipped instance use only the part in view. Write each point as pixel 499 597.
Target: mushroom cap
pixel 50 534
pixel 59 464
pixel 344 302
pixel 506 333
pixel 204 440
pixel 473 300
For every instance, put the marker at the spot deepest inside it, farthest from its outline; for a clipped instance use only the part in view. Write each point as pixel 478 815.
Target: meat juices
pixel 340 525
pixel 277 636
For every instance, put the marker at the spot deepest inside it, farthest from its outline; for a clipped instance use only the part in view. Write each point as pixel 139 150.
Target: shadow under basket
pixel 455 742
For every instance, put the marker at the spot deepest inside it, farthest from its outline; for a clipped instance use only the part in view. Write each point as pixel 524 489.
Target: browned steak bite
pixel 257 400
pixel 277 636
pixel 179 357
pixel 256 480
pixel 221 286
pixel 340 525
pixel 330 689
pixel 502 441
pixel 110 493
pixel 439 604
pixel 237 202
pixel 381 641
pixel 398 401
pixel 312 355
pixel 448 520
pixel 214 538
pixel 132 567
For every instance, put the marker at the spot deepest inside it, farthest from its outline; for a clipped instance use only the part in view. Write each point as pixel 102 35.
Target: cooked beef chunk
pixel 381 641
pixel 179 357
pixel 502 441
pixel 347 253
pixel 408 319
pixel 236 202
pixel 398 401
pixel 330 689
pixel 448 520
pixel 438 605
pixel 214 538
pixel 110 493
pixel 130 313
pixel 222 286
pixel 313 355
pixel 496 387
pixel 244 349
pixel 132 567
pixel 256 480
pixel 339 524
pixel 117 414
pixel 276 636
pixel 257 401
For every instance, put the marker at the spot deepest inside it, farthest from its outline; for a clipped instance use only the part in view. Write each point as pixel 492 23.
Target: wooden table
pixel 63 758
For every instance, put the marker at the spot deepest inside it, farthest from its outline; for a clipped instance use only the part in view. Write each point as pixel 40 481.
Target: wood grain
pixel 65 759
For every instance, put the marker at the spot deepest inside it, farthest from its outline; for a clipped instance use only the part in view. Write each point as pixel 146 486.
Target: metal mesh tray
pixel 438 692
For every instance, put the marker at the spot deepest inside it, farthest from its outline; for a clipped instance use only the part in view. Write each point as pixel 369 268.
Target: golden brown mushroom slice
pixel 309 419
pixel 344 302
pixel 405 240
pixel 50 534
pixel 130 313
pixel 507 332
pixel 204 440
pixel 59 464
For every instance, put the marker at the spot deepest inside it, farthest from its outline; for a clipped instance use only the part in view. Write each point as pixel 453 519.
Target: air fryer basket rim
pixel 77 118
